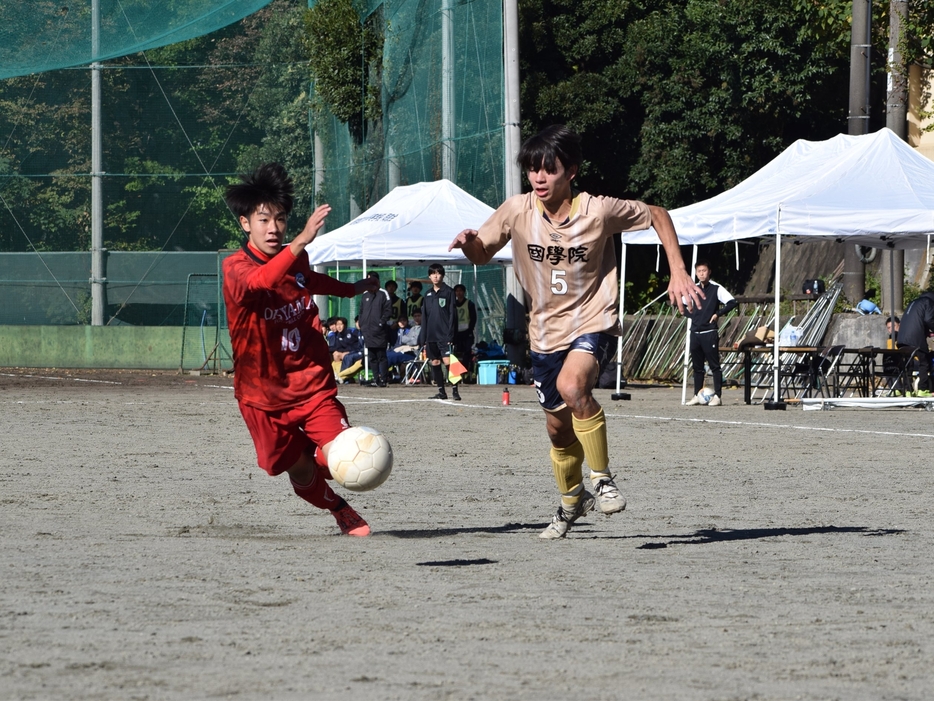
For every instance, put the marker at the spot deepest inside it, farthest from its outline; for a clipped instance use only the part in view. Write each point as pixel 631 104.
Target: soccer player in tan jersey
pixel 564 259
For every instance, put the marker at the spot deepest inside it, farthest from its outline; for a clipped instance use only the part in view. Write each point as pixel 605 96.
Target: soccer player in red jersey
pixel 283 378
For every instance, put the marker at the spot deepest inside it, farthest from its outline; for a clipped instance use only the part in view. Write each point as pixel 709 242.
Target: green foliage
pixel 345 56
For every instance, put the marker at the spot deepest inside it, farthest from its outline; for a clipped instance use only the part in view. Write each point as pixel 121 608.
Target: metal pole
pixel 98 291
pixel 515 295
pixel 854 270
pixel 896 119
pixel 448 153
pixel 512 133
pixel 687 336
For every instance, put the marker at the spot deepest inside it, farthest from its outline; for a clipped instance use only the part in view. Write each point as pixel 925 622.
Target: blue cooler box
pixel 487 374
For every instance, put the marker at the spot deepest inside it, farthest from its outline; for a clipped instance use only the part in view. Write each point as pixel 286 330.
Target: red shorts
pixel 281 436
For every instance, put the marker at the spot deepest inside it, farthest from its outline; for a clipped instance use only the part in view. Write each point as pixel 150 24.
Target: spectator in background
pixel 415 299
pixel 705 337
pixel 404 346
pixel 466 323
pixel 916 325
pixel 437 332
pixel 375 327
pixel 396 303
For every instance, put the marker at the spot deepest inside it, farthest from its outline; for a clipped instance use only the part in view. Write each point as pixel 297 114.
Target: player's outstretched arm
pixel 472 247
pixel 682 292
pixel 367 284
pixel 312 227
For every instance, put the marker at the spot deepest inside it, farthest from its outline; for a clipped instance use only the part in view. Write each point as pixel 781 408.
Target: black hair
pixel 460 287
pixel 373 274
pixel 436 268
pixel 895 318
pixel 269 184
pixel 416 284
pixel 340 318
pixel 393 283
pixel 550 145
pixel 702 261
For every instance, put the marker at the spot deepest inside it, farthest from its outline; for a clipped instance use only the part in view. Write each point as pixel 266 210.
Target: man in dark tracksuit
pixel 439 322
pixel 375 310
pixel 705 339
pixel 917 322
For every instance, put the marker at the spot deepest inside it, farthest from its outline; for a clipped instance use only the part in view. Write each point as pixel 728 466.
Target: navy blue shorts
pixel 547 366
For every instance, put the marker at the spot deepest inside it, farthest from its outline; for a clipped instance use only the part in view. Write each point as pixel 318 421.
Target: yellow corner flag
pixel 455 370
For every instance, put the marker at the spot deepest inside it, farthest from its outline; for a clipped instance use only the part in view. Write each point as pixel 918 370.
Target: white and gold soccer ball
pixel 360 458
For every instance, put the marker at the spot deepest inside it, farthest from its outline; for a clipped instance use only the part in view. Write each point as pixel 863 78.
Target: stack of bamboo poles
pixel 654 337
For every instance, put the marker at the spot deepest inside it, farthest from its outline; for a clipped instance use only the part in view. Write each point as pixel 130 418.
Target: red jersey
pixel 281 358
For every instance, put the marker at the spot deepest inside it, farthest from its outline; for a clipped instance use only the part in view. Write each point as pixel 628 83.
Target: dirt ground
pixel 764 555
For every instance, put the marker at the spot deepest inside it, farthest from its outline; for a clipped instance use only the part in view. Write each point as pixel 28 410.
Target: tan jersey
pixel 568 270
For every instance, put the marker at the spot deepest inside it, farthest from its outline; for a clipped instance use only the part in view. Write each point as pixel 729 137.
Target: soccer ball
pixel 360 459
pixel 705 395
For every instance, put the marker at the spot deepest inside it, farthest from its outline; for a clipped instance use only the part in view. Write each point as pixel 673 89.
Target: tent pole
pixel 777 402
pixel 366 356
pixel 687 338
pixel 622 316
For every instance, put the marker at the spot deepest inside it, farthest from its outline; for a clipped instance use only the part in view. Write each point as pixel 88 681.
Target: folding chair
pixel 414 371
pixel 895 375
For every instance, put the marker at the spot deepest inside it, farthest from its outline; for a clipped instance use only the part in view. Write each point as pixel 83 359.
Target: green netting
pixel 38 35
pixel 180 121
pixel 406 145
pixel 143 288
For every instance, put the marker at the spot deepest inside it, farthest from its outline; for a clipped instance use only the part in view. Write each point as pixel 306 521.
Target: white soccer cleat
pixel 561 523
pixel 608 497
pixel 714 401
pixel 694 401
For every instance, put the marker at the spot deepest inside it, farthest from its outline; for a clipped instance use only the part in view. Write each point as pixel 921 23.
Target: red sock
pixel 318 493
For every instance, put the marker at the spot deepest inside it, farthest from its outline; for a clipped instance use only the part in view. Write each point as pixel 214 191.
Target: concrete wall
pixel 856 331
pixel 119 347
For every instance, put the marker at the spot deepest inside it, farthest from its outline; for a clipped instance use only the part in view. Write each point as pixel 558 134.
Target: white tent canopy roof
pixel 874 190
pixel 413 224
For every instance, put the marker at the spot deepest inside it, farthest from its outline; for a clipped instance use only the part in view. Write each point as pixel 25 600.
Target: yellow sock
pixel 592 436
pixel 567 464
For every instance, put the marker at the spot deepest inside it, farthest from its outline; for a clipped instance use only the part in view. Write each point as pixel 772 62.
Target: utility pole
pixel 854 270
pixel 98 280
pixel 448 151
pixel 896 119
pixel 515 295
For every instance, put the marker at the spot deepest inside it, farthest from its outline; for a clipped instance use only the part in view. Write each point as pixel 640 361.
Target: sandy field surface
pixel 763 555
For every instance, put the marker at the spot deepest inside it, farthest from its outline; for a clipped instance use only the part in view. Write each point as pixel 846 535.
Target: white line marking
pixel 53 377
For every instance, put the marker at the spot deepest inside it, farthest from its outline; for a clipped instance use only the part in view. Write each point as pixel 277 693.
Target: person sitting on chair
pixel 913 331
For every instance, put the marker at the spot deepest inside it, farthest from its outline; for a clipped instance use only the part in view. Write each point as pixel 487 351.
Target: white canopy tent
pixel 872 190
pixel 412 224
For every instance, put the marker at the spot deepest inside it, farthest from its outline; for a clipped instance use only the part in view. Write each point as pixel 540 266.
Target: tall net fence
pixel 441 107
pixel 180 120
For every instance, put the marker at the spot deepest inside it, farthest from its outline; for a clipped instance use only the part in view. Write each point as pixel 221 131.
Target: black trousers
pixel 379 364
pixel 705 347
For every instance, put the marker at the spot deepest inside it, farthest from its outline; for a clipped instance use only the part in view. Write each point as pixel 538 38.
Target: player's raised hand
pixel 463 238
pixel 683 292
pixel 312 226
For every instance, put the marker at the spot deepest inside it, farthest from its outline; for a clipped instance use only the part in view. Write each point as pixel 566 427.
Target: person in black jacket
pixel 705 338
pixel 439 322
pixel 916 324
pixel 466 323
pixel 375 310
